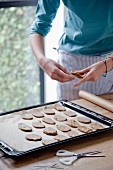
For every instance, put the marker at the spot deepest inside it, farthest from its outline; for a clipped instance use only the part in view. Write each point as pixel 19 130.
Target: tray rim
pixel 30 107
pixel 14 153
pixel 106 120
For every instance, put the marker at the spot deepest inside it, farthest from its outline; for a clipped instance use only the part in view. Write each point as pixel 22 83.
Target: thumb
pixel 83 71
pixel 62 68
pixel 83 80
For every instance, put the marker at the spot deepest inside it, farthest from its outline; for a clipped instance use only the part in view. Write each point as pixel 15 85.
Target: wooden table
pixel 46 159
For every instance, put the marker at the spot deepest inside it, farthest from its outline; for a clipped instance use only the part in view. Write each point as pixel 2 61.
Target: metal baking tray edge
pixel 14 153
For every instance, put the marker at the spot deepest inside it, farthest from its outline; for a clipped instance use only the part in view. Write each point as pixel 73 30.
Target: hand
pixel 56 71
pixel 92 73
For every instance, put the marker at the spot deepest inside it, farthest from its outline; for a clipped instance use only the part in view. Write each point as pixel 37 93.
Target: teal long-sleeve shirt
pixel 88 28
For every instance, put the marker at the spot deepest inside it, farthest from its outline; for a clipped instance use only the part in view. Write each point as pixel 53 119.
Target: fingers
pixel 83 80
pixel 65 76
pixel 62 77
pixel 83 71
pixel 60 74
pixel 80 82
pixel 90 76
pixel 92 73
pixel 57 72
pixel 62 68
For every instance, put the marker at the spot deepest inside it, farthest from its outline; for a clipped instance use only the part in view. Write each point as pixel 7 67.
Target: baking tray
pixel 8 117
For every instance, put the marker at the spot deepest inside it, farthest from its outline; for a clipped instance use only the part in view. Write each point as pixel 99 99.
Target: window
pixel 21 80
pixel 51 41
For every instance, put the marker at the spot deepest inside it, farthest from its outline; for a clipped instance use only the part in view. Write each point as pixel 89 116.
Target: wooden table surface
pixel 46 159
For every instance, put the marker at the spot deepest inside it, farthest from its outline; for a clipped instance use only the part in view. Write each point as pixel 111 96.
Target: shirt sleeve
pixel 45 13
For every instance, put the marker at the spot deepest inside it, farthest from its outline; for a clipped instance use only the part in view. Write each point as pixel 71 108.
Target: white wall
pixel 50 42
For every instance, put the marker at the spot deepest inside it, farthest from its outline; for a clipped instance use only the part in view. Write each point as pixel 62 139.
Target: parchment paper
pixel 15 138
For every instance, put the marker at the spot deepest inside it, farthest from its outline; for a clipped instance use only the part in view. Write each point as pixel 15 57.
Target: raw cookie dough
pixel 33 137
pixel 38 125
pixel 25 115
pixel 96 126
pixel 63 128
pixel 38 114
pixel 78 75
pixel 70 113
pixel 49 107
pixel 60 137
pixel 59 107
pixel 24 127
pixel 72 123
pixel 84 129
pixel 72 133
pixel 50 131
pixel 49 111
pixel 47 141
pixel 60 118
pixel 48 120
pixel 83 119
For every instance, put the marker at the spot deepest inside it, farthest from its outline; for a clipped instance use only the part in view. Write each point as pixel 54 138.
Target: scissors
pixel 72 156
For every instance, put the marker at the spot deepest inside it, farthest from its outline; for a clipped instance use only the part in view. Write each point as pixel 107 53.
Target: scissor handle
pixel 65 153
pixel 68 160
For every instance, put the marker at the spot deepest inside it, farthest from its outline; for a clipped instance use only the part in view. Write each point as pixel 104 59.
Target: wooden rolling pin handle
pixel 96 100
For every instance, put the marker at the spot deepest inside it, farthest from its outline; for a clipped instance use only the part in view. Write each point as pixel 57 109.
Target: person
pixel 86 45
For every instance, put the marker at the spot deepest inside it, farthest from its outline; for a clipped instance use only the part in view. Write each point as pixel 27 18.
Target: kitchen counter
pixel 46 159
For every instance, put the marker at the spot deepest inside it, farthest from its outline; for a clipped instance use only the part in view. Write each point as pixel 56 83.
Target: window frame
pixel 25 3
pixel 17 3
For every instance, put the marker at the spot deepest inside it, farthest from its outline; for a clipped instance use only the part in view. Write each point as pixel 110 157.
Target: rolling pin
pixel 96 100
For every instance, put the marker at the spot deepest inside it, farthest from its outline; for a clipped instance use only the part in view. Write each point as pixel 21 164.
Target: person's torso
pixel 88 26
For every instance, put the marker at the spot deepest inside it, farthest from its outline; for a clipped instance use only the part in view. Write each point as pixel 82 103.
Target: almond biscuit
pixel 50 131
pixel 33 137
pixel 24 127
pixel 48 121
pixel 60 118
pixel 83 119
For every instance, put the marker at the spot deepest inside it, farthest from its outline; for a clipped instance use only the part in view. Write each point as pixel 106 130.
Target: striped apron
pixel 77 62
